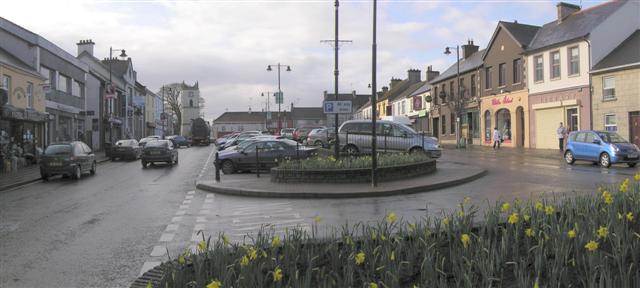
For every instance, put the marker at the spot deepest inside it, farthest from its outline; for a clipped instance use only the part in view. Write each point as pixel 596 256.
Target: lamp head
pixel 288 68
pixel 262 94
pixel 123 54
pixel 269 68
pixel 447 51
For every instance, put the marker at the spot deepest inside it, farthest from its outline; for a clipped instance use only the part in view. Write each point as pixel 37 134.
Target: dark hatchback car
pixel 159 151
pixel 179 141
pixel 126 149
pixel 269 153
pixel 68 159
pixel 146 140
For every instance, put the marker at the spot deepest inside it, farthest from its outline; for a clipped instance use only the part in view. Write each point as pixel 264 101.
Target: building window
pixel 473 86
pixel 610 123
pixel 539 69
pixel 555 65
pixel 76 89
pixel 608 88
pixel 502 74
pixel 517 70
pixel 29 94
pixel 190 93
pixel 461 87
pixel 451 91
pixel 444 124
pixel 574 61
pixel 434 98
pixel 403 107
pixel 63 83
pixel 487 126
pixel 444 89
pixel 6 85
pixel 453 124
pixel 190 102
pixel 487 78
pixel 50 75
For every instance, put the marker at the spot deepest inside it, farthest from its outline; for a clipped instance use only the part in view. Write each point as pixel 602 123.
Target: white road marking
pixel 184 206
pixel 158 251
pixel 176 219
pixel 181 212
pixel 166 237
pixel 204 211
pixel 208 201
pixel 207 206
pixel 148 266
pixel 188 197
pixel 201 219
pixel 172 227
pixel 209 196
pixel 198 227
pixel 186 202
pixel 240 213
pixel 191 192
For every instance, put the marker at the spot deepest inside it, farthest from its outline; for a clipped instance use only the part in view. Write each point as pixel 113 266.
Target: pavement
pixel 447 174
pixel 31 173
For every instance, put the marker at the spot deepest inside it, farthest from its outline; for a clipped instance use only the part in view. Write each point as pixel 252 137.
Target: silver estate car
pixel 355 137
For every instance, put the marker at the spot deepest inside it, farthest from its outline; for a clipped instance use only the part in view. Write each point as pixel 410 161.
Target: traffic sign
pixel 279 97
pixel 337 107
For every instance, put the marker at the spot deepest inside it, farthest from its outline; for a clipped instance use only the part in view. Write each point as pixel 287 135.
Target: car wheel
pixel 144 164
pixel 605 160
pixel 631 165
pixel 568 156
pixel 416 150
pixel 351 150
pixel 77 173
pixel 113 158
pixel 176 160
pixel 227 167
pixel 93 169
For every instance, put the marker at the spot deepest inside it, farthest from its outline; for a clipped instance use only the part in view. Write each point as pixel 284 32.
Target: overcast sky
pixel 227 45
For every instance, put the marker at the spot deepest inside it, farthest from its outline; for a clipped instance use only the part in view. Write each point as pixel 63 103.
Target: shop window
pixel 574 60
pixel 555 65
pixel 63 83
pixel 503 122
pixel 517 70
pixel 610 123
pixel 502 74
pixel 487 125
pixel 444 124
pixel 453 123
pixel 487 78
pixel 608 88
pixel 29 94
pixel 539 69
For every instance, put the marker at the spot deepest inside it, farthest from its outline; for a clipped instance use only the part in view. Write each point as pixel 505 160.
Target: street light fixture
pixel 457 99
pixel 279 97
pixel 268 114
pixel 123 55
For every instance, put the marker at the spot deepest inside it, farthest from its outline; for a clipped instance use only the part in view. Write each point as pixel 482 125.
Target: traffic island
pixel 447 175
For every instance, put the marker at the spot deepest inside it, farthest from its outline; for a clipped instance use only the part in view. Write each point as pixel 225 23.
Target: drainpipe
pixel 590 86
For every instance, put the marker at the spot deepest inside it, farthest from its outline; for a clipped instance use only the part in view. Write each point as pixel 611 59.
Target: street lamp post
pixel 458 99
pixel 123 54
pixel 374 152
pixel 163 115
pixel 268 112
pixel 279 98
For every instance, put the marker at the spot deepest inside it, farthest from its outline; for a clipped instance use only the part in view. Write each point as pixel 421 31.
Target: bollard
pixel 257 163
pixel 217 164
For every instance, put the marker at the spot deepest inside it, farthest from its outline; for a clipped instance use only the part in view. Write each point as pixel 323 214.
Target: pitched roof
pixel 247 117
pixel 424 88
pixel 118 67
pixel 308 113
pixel 474 61
pixel 6 57
pixel 628 52
pixel 409 91
pixel 576 25
pixel 522 33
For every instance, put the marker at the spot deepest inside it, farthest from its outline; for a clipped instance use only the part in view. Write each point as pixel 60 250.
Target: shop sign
pixel 504 100
pixel 110 91
pixel 417 103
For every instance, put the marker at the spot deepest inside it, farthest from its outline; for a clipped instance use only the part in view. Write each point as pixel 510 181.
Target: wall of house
pixel 627 99
pixel 624 22
pixel 503 50
pixel 93 92
pixel 565 81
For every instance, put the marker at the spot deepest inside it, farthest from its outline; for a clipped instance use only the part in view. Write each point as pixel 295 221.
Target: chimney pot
pixel 565 10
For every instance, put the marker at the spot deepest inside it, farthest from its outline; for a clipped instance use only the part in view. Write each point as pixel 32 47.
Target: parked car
pixel 179 141
pixel 223 139
pixel 300 134
pixel 159 151
pixel 602 146
pixel 243 143
pixel 287 132
pixel 355 137
pixel 268 153
pixel 239 138
pixel 68 159
pixel 126 149
pixel 320 137
pixel 145 140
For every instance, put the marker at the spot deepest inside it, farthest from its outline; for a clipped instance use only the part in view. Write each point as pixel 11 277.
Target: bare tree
pixel 172 100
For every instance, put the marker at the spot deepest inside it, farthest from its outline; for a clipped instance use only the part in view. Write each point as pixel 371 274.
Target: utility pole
pixel 374 141
pixel 336 45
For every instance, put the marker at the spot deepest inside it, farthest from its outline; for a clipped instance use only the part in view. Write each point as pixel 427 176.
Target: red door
pixel 634 127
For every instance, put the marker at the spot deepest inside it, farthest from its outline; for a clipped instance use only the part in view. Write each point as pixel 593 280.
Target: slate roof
pixel 471 63
pixel 424 88
pixel 522 33
pixel 409 91
pixel 628 52
pixel 247 117
pixel 576 25
pixel 308 113
pixel 395 92
pixel 118 67
pixel 6 57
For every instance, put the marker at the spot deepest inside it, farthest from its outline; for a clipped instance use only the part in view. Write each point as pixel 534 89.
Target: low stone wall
pixel 352 175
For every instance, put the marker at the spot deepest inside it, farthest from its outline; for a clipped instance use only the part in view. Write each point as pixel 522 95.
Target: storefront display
pixel 508 112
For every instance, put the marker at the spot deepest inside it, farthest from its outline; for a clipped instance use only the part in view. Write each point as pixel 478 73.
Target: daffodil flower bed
pixel 575 241
pixel 353 162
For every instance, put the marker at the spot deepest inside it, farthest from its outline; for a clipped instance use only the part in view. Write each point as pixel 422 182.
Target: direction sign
pixel 337 107
pixel 279 97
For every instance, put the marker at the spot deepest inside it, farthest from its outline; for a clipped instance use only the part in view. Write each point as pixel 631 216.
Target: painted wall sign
pixel 504 100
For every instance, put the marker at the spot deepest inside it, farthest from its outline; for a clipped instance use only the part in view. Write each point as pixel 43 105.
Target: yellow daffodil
pixel 535 284
pixel 505 207
pixel 393 256
pixel 373 285
pixel 411 227
pixel 252 253
pixel 571 233
pixel 620 216
pixel 526 217
pixel 360 258
pixel 149 285
pixel 349 241
pixel 275 242
pixel 465 239
pixel 624 187
pixel 202 246
pixel 513 218
pixel 602 232
pixel 445 221
pixel 529 232
pixel 629 217
pixel 391 217
pixel 263 253
pixel 549 210
pixel 382 237
pixel 461 214
pixel 637 177
pixel 181 259
pixel 467 199
pixel 374 236
pixel 214 284
pixel 225 240
pixel 539 206
pixel 244 261
pixel 591 246
pixel 277 274
pixel 608 199
pixel 317 219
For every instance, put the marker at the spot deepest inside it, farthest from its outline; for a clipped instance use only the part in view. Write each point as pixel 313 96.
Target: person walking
pixel 497 138
pixel 561 132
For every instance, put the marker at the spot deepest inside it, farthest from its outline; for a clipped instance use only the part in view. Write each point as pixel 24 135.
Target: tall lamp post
pixel 458 97
pixel 268 115
pixel 163 115
pixel 279 97
pixel 374 152
pixel 123 55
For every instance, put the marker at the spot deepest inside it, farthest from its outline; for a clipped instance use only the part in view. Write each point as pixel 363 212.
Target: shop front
pixel 509 113
pixel 22 137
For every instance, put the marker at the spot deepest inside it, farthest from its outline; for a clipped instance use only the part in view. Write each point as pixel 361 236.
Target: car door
pixel 579 146
pixel 80 156
pixel 591 146
pixel 247 160
pixel 91 157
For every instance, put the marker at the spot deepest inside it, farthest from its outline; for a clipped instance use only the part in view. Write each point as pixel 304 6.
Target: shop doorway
pixel 572 120
pixel 520 124
pixel 436 132
pixel 634 127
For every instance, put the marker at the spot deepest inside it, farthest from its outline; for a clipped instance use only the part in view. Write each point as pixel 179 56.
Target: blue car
pixel 179 141
pixel 603 147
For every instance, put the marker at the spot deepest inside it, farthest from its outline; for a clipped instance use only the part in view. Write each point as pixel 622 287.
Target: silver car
pixel 320 137
pixel 355 137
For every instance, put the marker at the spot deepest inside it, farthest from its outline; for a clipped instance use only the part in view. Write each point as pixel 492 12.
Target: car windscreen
pixel 58 150
pixel 126 143
pixel 408 128
pixel 289 142
pixel 158 143
pixel 611 137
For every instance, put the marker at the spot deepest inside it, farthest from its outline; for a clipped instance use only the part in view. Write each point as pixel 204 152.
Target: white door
pixel 547 121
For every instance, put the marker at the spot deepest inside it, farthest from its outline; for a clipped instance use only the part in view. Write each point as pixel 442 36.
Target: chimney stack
pixel 394 82
pixel 85 45
pixel 414 76
pixel 468 49
pixel 385 89
pixel 431 74
pixel 565 10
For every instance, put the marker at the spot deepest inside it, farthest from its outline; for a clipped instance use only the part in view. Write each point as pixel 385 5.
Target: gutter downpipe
pixel 590 84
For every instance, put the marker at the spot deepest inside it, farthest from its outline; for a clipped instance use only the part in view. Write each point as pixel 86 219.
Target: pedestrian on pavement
pixel 561 132
pixel 497 138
